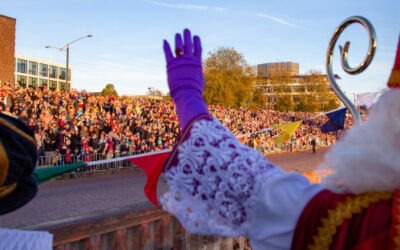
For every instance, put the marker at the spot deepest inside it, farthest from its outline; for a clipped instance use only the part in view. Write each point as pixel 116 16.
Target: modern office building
pixel 33 73
pixel 299 85
pixel 309 88
pixel 278 69
pixel 7 48
pixel 282 79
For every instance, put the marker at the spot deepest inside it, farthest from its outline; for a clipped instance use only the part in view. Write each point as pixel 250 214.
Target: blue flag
pixel 335 121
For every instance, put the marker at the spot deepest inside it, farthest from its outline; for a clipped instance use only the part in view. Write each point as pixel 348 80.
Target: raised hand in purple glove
pixel 185 77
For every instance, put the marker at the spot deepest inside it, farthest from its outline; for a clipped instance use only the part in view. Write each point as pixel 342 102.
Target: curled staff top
pixel 345 65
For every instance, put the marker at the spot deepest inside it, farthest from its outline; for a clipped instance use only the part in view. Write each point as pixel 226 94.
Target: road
pixel 62 200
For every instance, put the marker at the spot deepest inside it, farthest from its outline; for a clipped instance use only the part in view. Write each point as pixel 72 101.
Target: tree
pixel 284 103
pixel 333 103
pixel 302 104
pixel 109 90
pixel 323 96
pixel 280 84
pixel 154 92
pixel 259 100
pixel 229 80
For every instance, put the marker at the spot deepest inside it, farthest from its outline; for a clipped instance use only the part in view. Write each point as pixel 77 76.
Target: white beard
pixel 367 158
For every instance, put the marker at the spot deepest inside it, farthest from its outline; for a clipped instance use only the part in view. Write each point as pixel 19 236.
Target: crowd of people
pixel 255 128
pixel 80 126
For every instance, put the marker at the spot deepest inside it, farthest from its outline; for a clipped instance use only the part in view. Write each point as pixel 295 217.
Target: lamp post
pixel 66 48
pixel 270 95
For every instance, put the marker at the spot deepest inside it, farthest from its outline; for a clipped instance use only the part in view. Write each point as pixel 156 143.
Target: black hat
pixel 18 157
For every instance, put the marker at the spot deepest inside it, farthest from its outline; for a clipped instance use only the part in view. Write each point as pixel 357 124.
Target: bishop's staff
pixel 345 65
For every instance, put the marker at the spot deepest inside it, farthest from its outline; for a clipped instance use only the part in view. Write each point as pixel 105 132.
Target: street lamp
pixel 270 95
pixel 66 48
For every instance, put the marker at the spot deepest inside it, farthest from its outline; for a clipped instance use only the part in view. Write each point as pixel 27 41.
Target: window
pixel 42 82
pixel 61 73
pixel 32 68
pixel 32 82
pixel 53 85
pixel 44 70
pixel 299 88
pixel 53 72
pixel 62 86
pixel 21 81
pixel 21 66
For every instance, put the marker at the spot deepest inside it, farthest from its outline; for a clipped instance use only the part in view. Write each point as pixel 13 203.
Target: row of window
pixel 278 69
pixel 33 82
pixel 42 69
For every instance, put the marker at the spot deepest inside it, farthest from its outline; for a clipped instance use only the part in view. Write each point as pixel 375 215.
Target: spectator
pixel 67 118
pixel 313 144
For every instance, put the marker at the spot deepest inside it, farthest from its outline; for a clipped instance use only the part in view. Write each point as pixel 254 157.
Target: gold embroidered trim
pixel 6 190
pixel 396 237
pixel 17 130
pixel 4 164
pixel 343 211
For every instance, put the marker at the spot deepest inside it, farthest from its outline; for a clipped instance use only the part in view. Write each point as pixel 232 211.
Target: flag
pixel 42 175
pixel 367 99
pixel 287 131
pixel 335 120
pixel 151 164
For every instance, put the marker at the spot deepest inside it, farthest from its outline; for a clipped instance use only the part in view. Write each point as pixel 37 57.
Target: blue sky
pixel 126 47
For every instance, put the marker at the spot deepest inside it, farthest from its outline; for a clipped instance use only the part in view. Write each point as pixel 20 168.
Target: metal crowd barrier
pixel 51 159
pixel 54 159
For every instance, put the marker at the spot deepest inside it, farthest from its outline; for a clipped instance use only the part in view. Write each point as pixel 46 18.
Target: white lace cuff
pixel 214 180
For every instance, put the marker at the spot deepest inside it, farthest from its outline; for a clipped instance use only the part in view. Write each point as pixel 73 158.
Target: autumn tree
pixel 154 92
pixel 284 102
pixel 258 99
pixel 305 103
pixel 109 90
pixel 322 97
pixel 229 80
pixel 280 84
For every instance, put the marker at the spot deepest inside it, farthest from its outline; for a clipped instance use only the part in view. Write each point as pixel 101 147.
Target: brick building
pixel 7 48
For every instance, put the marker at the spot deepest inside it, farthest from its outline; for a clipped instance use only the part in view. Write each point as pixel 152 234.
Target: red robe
pixel 338 221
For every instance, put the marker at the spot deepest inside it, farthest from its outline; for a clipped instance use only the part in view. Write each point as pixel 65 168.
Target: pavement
pixel 68 199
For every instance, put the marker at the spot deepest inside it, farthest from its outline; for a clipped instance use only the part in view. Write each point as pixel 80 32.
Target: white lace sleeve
pixel 215 180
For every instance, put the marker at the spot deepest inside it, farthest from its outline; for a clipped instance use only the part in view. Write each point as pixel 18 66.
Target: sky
pixel 126 47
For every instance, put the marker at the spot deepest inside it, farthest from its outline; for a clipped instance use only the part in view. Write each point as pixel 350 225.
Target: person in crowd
pixel 219 186
pixel 313 145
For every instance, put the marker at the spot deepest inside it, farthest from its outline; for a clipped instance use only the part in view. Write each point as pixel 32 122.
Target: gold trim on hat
pixel 6 190
pixel 4 164
pixel 17 130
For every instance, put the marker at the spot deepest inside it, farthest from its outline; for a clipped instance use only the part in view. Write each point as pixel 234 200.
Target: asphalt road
pixel 62 200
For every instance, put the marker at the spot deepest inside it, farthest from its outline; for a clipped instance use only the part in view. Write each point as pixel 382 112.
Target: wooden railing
pixel 130 228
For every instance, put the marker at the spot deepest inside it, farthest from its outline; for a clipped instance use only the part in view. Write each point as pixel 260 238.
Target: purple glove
pixel 185 77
